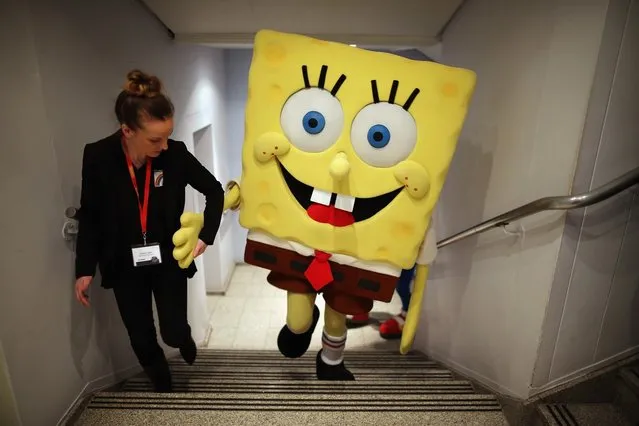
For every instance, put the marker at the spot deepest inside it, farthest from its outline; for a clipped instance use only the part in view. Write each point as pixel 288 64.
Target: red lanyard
pixel 143 208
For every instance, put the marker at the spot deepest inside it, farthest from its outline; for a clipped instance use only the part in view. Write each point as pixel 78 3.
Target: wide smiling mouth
pixel 360 208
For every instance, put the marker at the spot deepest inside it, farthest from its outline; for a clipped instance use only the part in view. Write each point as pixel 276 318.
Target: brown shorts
pixel 352 291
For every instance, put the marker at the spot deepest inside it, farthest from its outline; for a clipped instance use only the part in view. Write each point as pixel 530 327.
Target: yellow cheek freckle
pixel 414 178
pixel 275 53
pixel 270 145
pixel 266 214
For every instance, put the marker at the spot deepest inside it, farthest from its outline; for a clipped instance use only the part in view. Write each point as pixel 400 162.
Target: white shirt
pixel 428 251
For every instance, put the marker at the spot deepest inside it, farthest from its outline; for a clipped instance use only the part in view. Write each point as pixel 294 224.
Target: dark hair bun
pixel 141 84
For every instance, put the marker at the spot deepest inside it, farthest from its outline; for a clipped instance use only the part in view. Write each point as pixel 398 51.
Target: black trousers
pixel 168 286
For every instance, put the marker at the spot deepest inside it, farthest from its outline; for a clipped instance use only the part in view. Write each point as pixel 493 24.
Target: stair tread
pixel 586 414
pixel 240 417
pixel 399 387
pixel 328 395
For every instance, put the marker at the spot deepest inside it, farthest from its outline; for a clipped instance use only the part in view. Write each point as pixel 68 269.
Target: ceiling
pixel 367 23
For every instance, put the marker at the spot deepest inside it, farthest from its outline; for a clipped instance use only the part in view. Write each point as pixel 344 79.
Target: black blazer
pixel 106 201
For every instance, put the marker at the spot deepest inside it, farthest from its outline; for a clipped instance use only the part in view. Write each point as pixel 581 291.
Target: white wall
pixel 487 295
pixel 592 313
pixel 238 62
pixel 68 60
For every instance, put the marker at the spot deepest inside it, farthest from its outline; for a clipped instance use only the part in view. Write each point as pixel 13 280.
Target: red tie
pixel 319 272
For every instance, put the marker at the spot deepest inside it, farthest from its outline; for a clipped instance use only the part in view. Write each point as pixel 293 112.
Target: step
pixel 582 415
pixel 319 407
pixel 269 365
pixel 628 393
pixel 384 387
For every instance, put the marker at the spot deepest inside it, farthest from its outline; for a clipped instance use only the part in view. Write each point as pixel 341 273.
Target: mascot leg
pixel 301 319
pixel 330 360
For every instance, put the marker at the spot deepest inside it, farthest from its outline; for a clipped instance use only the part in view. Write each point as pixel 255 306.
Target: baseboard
pixel 101 383
pixel 602 367
pixel 474 376
pixel 97 385
pixel 207 335
pixel 584 374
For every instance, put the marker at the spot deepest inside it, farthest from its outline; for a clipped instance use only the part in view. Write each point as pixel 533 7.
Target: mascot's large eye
pixel 312 119
pixel 383 134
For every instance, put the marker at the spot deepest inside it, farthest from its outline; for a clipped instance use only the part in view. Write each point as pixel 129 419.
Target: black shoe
pixel 293 345
pixel 326 371
pixel 160 376
pixel 189 351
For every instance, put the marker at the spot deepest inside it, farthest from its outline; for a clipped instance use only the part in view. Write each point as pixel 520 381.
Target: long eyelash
pixel 410 99
pixel 307 82
pixel 393 92
pixel 322 78
pixel 338 84
pixel 374 89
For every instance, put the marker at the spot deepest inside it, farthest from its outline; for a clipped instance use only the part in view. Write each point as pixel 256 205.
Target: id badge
pixel 145 255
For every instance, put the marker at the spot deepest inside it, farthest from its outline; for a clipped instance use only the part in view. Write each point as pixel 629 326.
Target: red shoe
pixel 392 327
pixel 359 319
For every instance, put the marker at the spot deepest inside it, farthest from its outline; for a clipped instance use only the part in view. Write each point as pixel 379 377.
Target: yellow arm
pixel 414 310
pixel 426 256
pixel 185 239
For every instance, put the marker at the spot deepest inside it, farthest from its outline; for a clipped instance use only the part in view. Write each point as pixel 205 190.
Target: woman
pixel 133 193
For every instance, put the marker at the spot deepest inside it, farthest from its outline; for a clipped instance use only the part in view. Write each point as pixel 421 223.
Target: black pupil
pixel 378 136
pixel 312 122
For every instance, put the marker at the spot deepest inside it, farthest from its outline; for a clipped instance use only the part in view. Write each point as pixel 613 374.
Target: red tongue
pixel 319 272
pixel 329 214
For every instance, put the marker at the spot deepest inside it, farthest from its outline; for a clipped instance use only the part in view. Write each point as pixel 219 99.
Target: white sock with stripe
pixel 333 348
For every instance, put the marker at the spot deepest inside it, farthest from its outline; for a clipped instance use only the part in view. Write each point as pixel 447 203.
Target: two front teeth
pixel 342 202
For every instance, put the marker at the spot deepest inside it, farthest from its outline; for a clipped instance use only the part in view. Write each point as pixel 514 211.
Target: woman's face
pixel 151 138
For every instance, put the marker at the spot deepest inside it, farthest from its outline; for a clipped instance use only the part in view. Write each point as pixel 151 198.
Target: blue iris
pixel 313 122
pixel 379 136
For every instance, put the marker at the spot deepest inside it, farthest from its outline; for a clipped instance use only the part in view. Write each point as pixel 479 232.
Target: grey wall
pixel 67 62
pixel 487 296
pixel 594 305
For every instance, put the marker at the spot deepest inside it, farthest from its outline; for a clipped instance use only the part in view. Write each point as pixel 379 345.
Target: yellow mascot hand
pixel 232 196
pixel 414 310
pixel 186 238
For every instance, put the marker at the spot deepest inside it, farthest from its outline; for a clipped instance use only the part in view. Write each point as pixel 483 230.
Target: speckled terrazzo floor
pixel 232 387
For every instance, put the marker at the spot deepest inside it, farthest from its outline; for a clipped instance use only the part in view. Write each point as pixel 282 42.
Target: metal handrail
pixel 568 202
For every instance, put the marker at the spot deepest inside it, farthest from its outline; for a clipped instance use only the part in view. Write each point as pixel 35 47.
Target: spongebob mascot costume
pixel 344 157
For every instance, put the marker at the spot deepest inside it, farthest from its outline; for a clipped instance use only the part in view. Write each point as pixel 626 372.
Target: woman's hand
pixel 81 286
pixel 200 247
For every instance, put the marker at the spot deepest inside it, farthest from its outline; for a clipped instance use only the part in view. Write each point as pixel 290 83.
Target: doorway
pixel 216 264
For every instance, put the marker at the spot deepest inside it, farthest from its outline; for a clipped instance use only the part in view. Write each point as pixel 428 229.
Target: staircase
pixel 232 387
pixel 605 401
